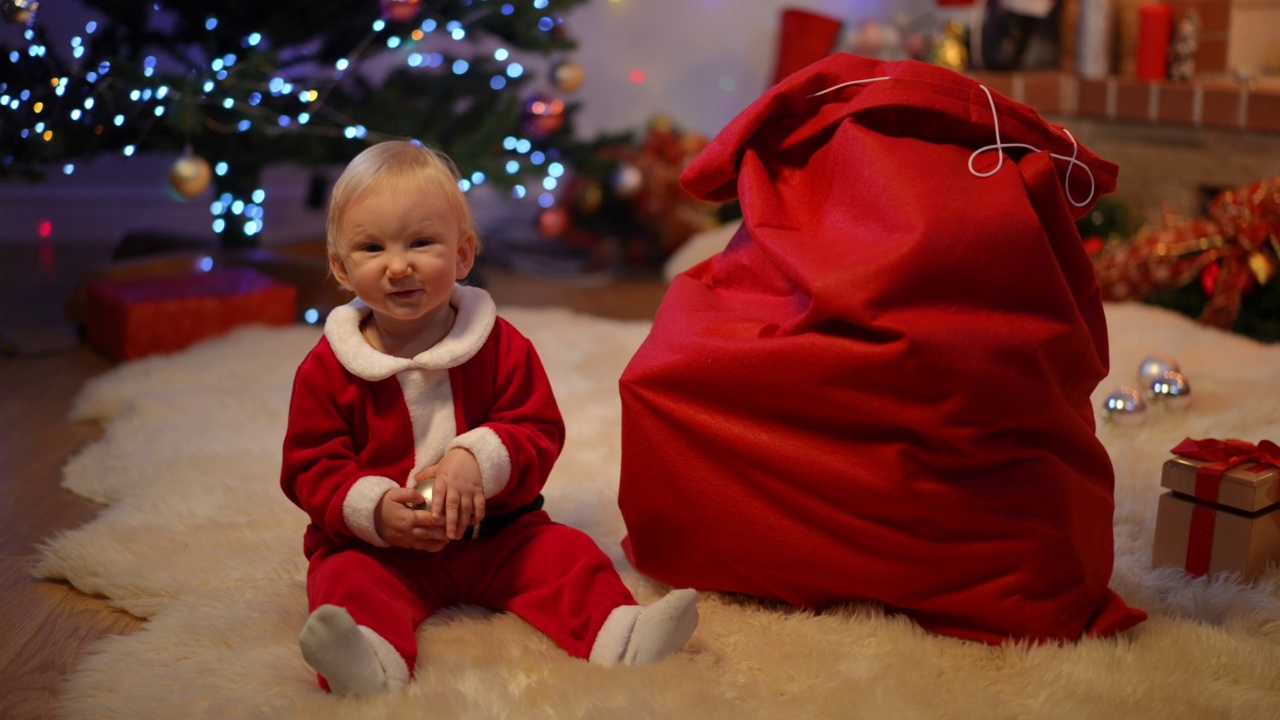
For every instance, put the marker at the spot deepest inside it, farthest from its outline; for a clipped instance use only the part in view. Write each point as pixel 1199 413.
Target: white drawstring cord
pixel 851 82
pixel 999 148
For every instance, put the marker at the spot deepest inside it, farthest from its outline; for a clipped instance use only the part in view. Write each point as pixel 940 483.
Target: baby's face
pixel 400 250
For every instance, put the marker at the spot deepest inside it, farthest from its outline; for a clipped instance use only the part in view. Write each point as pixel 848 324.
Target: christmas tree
pixel 232 88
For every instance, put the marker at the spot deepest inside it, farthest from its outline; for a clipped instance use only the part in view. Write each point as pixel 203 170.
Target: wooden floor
pixel 45 626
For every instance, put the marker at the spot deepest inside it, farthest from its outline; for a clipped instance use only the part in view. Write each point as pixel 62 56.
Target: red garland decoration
pixel 1231 252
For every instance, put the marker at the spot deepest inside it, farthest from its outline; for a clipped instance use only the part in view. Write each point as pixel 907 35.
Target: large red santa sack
pixel 881 389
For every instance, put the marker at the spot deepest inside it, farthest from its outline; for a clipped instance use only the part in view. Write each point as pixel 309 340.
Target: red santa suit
pixel 362 422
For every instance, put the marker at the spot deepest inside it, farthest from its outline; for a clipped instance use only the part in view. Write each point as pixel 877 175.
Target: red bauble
pixel 400 10
pixel 543 115
pixel 553 222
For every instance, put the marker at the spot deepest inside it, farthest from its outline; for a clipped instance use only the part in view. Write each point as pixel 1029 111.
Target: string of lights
pixel 231 91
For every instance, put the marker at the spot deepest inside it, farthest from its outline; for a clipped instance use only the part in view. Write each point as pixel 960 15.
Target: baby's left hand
pixel 458 492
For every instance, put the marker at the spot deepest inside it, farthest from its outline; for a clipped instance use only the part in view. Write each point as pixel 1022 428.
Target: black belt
pixel 493 524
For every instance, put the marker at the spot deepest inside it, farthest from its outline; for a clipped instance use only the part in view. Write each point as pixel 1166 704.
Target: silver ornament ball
pixel 1154 367
pixel 1125 406
pixel 1171 389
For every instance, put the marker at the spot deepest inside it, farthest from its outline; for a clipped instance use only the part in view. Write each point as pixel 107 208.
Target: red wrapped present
pixel 127 319
pixel 1222 511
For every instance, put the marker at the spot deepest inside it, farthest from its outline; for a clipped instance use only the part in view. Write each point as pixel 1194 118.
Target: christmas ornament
pixel 1125 407
pixel 21 12
pixel 591 199
pixel 626 180
pixel 190 175
pixel 1185 47
pixel 424 488
pixel 568 76
pixel 1154 367
pixel 1230 253
pixel 399 10
pixel 553 222
pixel 543 115
pixel 1171 389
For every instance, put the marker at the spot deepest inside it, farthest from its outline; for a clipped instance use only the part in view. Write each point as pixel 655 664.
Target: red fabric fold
pixel 881 389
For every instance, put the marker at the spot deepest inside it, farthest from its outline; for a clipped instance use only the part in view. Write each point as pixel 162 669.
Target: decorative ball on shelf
pixel 626 180
pixel 399 10
pixel 1125 406
pixel 553 222
pixel 591 199
pixel 20 12
pixel 543 115
pixel 1171 389
pixel 190 175
pixel 1154 367
pixel 568 75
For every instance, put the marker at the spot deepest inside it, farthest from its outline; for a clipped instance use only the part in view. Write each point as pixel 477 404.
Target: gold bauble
pixel 190 175
pixel 568 75
pixel 21 12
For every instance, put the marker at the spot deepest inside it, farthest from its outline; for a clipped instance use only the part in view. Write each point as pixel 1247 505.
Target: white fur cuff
pixel 491 454
pixel 360 505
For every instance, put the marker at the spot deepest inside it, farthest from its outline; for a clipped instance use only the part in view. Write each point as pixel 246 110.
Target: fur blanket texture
pixel 199 541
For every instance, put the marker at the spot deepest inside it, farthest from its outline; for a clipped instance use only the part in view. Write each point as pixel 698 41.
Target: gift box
pixel 1222 511
pixel 127 319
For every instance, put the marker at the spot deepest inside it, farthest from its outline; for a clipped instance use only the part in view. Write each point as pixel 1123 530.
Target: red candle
pixel 1154 24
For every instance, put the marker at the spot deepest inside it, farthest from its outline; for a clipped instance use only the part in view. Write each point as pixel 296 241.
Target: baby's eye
pixel 370 248
pixel 420 242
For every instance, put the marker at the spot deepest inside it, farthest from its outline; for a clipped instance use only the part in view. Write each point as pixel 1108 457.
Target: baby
pixel 416 390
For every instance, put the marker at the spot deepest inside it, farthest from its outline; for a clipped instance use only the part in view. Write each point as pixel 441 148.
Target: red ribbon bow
pixel 1229 452
pixel 1221 455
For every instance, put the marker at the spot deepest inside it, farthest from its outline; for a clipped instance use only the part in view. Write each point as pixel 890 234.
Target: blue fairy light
pixel 515 70
pixel 497 82
pixel 221 169
pixel 508 9
pixel 555 169
pixel 68 168
pixel 460 67
pixel 379 24
pixel 518 192
pixel 537 157
pixel 428 25
pixel 219 225
pixel 211 23
pixel 414 59
pixel 464 185
pixel 549 183
pixel 393 42
pixel 478 177
pixel 501 54
pixel 312 316
pixel 118 120
pixel 546 200
pixel 244 125
pixel 513 167
pixel 259 195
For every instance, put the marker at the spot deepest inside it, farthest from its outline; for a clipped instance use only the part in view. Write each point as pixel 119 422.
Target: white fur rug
pixel 199 541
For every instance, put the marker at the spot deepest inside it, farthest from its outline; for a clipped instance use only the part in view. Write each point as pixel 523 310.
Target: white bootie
pixel 353 659
pixel 637 635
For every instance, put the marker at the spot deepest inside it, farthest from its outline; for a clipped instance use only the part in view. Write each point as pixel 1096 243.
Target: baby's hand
pixel 458 492
pixel 405 527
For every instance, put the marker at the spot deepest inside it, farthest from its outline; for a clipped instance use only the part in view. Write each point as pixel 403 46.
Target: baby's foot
pixel 337 648
pixel 662 628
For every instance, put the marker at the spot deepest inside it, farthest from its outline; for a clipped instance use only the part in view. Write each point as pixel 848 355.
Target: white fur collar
pixel 476 316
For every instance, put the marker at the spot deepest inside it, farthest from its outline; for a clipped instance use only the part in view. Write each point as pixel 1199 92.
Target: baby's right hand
pixel 405 527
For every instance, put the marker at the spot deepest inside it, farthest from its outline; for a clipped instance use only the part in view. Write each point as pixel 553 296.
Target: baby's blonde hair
pixel 398 162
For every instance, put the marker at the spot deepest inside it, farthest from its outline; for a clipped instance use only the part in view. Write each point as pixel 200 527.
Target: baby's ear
pixel 466 254
pixel 339 270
